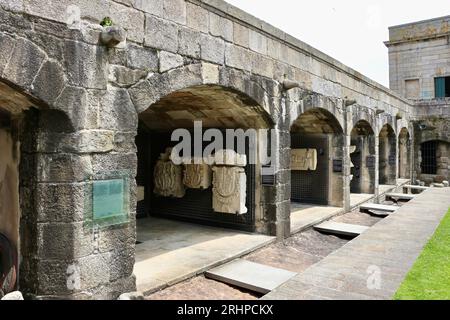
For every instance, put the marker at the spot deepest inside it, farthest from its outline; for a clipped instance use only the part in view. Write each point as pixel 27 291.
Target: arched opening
pixel 362 156
pixel 387 156
pixel 434 163
pixel 404 154
pixel 197 109
pixel 225 192
pixel 316 159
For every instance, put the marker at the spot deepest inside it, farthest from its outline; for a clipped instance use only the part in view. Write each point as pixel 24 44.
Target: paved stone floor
pixel 374 264
pixel 173 251
pixel 295 254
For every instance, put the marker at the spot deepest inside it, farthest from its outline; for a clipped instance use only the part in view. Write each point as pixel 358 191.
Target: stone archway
pixel 404 154
pixel 363 158
pixel 201 108
pixel 317 142
pixel 387 155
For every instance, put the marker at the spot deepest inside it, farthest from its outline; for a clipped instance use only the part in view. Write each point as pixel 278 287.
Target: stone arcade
pixel 78 114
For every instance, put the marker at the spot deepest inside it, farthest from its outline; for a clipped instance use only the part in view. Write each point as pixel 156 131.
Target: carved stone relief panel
pixel 229 182
pixel 197 176
pixel 303 159
pixel 168 177
pixel 229 190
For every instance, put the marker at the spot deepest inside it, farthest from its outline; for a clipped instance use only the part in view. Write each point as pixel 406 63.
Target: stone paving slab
pixel 373 265
pixel 378 207
pixel 400 196
pixel 342 229
pixel 413 187
pixel 250 275
pixel 173 251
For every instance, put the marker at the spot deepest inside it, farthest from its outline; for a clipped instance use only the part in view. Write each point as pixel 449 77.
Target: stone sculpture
pixel 229 183
pixel 168 177
pixel 303 159
pixel 197 175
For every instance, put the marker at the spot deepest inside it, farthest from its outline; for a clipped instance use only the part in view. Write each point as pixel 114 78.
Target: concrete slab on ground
pixel 413 187
pixel 385 252
pixel 400 196
pixel 378 207
pixel 249 275
pixel 173 251
pixel 304 216
pixel 342 229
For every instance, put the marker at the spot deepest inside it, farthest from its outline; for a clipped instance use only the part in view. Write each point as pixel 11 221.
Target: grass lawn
pixel 429 278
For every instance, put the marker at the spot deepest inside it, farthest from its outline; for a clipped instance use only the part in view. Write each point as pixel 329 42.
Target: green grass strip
pixel 429 278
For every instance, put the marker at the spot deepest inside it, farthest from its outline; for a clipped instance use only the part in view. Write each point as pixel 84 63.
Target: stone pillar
pixel 347 176
pixel 377 168
pixel 397 155
pixel 277 198
pixel 65 253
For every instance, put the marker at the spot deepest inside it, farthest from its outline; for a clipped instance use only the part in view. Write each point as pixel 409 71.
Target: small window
pixel 429 157
pixel 412 89
pixel 442 87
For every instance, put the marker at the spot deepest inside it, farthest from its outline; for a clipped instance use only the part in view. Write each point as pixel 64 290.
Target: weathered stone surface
pixel 197 18
pixel 62 202
pixel 258 42
pixel 189 43
pixel 241 35
pixel 168 61
pixel 59 241
pixel 175 10
pixel 6 48
pixel 86 65
pixel 237 57
pixel 142 58
pixel 212 49
pixel 117 112
pixel 12 5
pixel 154 7
pixel 24 64
pixel 50 72
pixel 85 141
pixel 220 27
pixel 125 77
pixel 161 34
pixel 63 168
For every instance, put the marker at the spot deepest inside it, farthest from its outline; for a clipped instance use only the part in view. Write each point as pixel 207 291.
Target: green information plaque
pixel 108 198
pixel 110 202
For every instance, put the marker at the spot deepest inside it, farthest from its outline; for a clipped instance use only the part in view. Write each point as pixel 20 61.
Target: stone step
pixel 378 207
pixel 400 196
pixel 343 229
pixel 251 276
pixel 413 187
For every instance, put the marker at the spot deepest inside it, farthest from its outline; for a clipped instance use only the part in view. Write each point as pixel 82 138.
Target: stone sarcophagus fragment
pixel 303 159
pixel 229 183
pixel 197 175
pixel 168 177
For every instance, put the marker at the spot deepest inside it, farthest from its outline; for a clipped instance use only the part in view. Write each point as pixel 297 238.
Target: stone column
pixel 377 167
pixel 347 177
pixel 277 198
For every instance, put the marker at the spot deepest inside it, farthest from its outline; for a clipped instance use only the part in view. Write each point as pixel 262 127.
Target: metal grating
pixel 196 205
pixel 311 186
pixel 429 157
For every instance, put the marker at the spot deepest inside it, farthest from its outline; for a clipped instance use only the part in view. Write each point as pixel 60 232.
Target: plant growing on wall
pixel 106 22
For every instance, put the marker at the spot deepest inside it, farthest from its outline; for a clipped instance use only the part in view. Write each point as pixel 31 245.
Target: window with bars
pixel 442 87
pixel 429 158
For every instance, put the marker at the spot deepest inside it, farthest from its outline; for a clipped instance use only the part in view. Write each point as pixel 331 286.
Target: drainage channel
pixel 295 254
